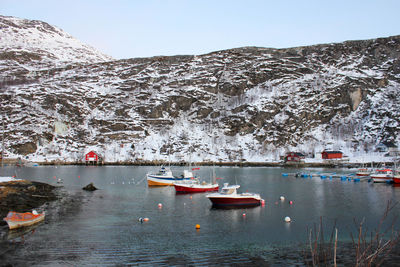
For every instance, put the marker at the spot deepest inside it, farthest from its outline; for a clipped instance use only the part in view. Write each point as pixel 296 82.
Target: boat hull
pixel 163 181
pixel 381 179
pixel 234 201
pixel 396 180
pixel 182 188
pixel 14 224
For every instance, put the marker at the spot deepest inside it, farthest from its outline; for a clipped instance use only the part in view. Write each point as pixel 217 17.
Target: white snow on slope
pixel 21 35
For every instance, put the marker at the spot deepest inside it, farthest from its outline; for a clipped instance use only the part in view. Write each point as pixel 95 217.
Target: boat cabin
pixel 229 189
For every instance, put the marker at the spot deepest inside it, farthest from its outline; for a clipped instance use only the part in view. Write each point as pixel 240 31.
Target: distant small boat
pixel 363 172
pixel 228 196
pixel 382 176
pixel 396 177
pixel 18 220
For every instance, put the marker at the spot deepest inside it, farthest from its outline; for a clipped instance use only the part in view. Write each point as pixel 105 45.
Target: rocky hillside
pixel 241 104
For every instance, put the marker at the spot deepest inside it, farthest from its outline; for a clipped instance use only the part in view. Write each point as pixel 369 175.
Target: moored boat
pixel 396 177
pixel 165 177
pixel 195 186
pixel 363 172
pixel 382 176
pixel 18 220
pixel 228 196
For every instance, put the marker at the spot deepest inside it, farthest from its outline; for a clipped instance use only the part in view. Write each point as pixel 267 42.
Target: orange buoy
pixel 197 226
pixel 145 219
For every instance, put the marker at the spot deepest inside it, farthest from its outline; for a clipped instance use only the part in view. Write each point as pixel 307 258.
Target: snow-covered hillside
pixel 33 44
pixel 244 104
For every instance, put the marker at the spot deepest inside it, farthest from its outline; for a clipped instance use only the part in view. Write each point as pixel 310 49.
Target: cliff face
pixel 240 104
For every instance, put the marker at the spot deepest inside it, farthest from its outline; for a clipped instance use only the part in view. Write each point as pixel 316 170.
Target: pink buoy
pixel 290 202
pixel 244 214
pixel 262 202
pixel 160 205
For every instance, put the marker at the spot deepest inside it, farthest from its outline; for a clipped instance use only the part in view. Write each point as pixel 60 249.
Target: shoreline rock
pixel 90 187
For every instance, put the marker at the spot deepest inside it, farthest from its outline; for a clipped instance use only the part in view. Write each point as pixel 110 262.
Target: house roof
pixel 332 152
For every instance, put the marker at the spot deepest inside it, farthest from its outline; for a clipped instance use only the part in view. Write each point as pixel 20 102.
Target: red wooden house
pixel 92 158
pixel 294 157
pixel 332 155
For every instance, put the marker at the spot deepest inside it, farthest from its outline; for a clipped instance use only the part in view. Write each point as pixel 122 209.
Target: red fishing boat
pixel 396 178
pixel 195 186
pixel 230 197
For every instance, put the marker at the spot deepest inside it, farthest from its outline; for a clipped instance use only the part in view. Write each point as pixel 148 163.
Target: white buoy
pixel 287 219
pixel 282 198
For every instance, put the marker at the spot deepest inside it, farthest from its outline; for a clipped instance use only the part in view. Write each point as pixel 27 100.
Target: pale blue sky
pixel 130 28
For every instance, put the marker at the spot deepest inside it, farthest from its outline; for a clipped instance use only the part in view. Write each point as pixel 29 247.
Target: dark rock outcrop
pixel 90 187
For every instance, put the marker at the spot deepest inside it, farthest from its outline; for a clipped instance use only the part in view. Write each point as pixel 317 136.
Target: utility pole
pixel 2 145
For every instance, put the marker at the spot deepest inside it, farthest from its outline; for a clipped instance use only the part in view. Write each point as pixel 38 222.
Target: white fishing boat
pixel 382 176
pixel 228 196
pixel 164 177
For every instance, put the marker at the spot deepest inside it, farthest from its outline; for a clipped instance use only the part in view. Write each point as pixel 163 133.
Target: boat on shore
pixel 382 176
pixel 164 177
pixel 229 197
pixel 17 220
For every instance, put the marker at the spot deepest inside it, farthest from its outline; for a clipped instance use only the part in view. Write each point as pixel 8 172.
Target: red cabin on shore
pixel 332 155
pixel 294 157
pixel 92 158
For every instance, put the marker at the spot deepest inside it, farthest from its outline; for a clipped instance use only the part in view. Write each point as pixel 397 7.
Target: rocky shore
pixel 23 196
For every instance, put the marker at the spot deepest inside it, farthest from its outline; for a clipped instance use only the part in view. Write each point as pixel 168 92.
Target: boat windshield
pixel 228 191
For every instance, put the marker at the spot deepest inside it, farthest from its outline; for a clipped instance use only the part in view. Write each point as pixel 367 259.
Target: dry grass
pixel 368 249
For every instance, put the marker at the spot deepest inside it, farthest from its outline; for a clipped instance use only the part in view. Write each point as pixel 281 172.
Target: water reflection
pixel 101 227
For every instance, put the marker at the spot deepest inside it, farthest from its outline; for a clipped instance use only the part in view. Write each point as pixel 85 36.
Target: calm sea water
pixel 102 227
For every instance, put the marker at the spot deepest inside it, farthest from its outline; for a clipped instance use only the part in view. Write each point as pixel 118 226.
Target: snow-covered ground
pixel 7 179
